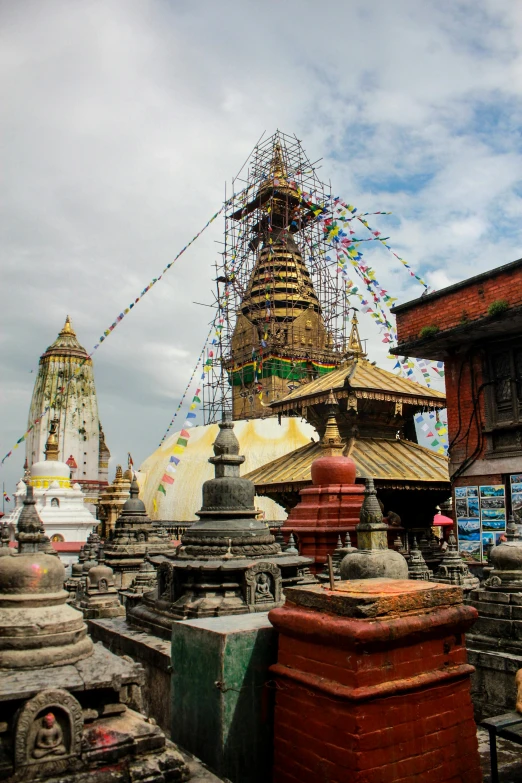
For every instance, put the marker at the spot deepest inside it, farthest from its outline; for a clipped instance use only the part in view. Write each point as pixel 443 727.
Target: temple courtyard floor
pixel 509 759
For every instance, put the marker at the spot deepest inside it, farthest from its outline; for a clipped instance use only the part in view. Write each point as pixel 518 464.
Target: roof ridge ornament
pixel 331 442
pixel 354 344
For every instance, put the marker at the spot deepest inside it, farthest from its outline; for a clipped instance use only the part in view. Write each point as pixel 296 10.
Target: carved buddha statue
pixel 49 738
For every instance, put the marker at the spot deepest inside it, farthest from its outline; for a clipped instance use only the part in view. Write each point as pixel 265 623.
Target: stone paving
pixel 509 759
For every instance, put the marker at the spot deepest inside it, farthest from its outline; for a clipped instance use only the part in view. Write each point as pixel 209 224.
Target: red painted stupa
pixel 331 506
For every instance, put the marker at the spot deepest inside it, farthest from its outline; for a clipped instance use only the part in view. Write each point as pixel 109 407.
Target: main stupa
pixel 284 342
pixel 278 337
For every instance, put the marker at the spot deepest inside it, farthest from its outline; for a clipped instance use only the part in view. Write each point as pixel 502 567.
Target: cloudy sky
pixel 121 120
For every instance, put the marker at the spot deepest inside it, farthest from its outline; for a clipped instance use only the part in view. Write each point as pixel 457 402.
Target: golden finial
pixel 51 447
pixel 331 442
pixel 119 473
pixel 354 345
pixel 277 167
pixel 67 328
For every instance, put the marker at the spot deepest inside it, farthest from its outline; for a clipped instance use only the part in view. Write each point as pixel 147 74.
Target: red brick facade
pixel 465 302
pixel 485 440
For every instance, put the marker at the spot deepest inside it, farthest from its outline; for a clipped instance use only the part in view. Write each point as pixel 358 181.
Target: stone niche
pixel 49 729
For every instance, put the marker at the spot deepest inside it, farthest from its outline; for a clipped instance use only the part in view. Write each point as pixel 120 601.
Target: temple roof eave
pixel 365 381
pixel 394 463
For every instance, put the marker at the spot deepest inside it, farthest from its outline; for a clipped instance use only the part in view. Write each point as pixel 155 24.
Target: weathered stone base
pixel 494 647
pixel 151 652
pixel 221 708
pixel 102 736
pixel 493 689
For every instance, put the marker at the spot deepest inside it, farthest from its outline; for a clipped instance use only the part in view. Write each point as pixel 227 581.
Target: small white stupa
pixel 60 505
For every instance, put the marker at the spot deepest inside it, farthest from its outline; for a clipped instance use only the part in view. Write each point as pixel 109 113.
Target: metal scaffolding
pixel 302 197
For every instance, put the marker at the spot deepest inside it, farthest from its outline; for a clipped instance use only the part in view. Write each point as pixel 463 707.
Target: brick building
pixel 475 327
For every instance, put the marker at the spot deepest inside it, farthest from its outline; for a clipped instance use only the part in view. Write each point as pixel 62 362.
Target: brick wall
pixel 461 401
pixel 468 302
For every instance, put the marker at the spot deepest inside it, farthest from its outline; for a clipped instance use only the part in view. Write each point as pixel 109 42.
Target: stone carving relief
pixel 165 582
pixel 263 584
pixel 49 731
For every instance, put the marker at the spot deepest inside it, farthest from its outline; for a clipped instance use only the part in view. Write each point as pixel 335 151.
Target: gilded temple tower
pixel 73 411
pixel 280 339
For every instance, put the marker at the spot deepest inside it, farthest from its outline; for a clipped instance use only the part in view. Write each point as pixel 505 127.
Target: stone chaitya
pixel 454 571
pixel 145 580
pixel 96 595
pixel 372 559
pixel 134 535
pixel 228 562
pixel 68 707
pixel 417 568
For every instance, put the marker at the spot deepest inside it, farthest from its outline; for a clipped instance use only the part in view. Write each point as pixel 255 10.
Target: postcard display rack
pixel 481 515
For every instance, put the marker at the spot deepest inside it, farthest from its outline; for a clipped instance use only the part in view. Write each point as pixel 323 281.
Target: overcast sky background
pixel 121 120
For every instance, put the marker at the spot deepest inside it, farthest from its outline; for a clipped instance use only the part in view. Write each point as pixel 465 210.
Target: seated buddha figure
pixel 49 738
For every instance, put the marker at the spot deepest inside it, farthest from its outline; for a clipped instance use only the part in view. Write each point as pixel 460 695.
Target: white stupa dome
pixel 260 441
pixel 45 473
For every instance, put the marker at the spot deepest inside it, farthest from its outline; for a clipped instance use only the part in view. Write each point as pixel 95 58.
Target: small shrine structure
pixel 228 562
pixel 376 425
pixel 133 536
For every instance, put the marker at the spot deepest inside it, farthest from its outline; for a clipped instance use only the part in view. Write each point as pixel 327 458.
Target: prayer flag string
pixel 184 436
pixel 112 327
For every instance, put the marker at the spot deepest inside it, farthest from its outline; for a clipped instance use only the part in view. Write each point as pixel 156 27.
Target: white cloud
pixel 121 122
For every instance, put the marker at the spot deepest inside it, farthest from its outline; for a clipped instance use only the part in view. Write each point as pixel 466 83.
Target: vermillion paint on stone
pixel 373 685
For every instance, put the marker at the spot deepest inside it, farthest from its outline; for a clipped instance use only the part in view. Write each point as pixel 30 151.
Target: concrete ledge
pixel 154 656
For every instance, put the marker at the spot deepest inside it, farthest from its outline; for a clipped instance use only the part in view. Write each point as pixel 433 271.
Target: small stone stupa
pixel 69 707
pixel 506 559
pixel 454 571
pixel 373 559
pixel 134 535
pixel 145 581
pixel 228 562
pixel 417 568
pixel 97 596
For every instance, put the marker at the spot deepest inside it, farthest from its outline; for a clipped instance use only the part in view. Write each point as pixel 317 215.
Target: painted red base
pixel 324 513
pixel 380 700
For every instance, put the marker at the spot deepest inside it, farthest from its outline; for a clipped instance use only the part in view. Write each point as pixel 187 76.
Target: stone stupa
pixel 69 707
pixel 134 535
pixel 417 568
pixel 454 571
pixel 145 581
pixel 228 561
pixel 373 559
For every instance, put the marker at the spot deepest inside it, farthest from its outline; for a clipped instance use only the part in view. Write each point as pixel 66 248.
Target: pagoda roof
pixel 365 380
pixel 395 464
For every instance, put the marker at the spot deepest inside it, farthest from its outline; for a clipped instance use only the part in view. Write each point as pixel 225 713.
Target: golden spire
pixel 67 328
pixel 354 345
pixel 51 447
pixel 277 167
pixel 331 442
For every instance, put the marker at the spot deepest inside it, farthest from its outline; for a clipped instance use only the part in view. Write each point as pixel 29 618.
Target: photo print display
pixel 481 517
pixel 516 497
